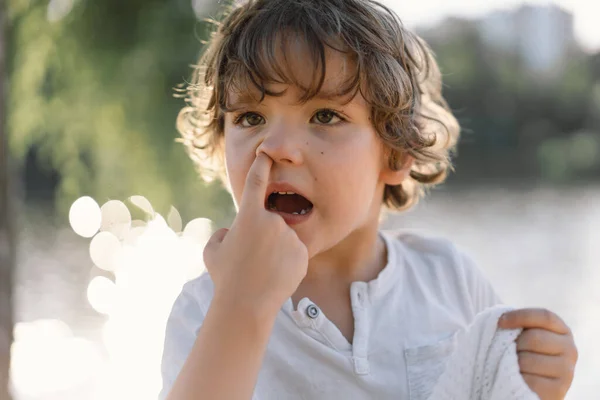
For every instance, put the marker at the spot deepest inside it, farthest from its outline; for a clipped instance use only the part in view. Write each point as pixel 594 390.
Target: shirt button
pixel 312 311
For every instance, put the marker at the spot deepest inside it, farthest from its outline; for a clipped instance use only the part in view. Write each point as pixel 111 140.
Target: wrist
pixel 258 313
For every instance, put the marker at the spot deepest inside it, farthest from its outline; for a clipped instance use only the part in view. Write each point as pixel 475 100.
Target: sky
pixel 427 12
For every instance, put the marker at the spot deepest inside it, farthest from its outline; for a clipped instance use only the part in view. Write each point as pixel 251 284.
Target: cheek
pixel 350 174
pixel 359 158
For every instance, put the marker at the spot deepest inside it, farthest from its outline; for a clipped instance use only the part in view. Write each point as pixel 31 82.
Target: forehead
pixel 338 67
pixel 314 70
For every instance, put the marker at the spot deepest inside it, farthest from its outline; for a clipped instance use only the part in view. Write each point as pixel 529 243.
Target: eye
pixel 249 119
pixel 326 117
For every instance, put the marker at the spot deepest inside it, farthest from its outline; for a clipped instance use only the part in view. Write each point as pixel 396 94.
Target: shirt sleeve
pixel 181 331
pixel 479 288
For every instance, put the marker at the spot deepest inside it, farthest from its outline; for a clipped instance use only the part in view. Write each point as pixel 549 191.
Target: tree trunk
pixel 6 238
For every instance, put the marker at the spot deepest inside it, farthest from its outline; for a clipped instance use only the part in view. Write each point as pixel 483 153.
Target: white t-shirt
pixel 404 320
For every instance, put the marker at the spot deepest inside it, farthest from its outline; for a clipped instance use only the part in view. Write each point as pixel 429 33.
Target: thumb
pixel 210 250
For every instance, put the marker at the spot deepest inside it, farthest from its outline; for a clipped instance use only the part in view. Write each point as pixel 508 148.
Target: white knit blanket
pixel 484 364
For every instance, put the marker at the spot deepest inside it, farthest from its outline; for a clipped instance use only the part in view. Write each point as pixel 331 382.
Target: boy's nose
pixel 282 147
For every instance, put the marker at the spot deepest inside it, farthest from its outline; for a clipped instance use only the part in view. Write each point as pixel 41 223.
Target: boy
pixel 317 113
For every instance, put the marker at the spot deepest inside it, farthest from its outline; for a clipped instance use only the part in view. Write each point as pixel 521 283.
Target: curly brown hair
pixel 395 72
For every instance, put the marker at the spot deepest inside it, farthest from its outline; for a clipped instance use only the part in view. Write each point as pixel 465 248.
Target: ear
pixel 394 177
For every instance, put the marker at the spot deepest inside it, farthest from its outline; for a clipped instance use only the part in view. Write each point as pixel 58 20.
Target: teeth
pixel 272 207
pixel 302 212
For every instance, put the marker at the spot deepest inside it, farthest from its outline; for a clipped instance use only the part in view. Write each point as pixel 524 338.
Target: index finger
pixel 257 180
pixel 533 318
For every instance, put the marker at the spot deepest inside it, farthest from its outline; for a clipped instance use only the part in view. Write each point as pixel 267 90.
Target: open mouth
pixel 289 203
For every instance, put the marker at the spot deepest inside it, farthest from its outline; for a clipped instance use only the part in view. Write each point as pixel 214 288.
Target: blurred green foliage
pixel 518 123
pixel 91 99
pixel 92 95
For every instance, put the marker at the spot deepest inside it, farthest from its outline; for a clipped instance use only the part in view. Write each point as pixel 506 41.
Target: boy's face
pixel 325 150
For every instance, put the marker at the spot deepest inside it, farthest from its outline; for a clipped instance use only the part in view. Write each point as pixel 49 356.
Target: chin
pixel 311 242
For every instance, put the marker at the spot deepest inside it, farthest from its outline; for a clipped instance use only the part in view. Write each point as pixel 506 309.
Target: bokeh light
pixel 116 218
pixel 48 360
pixel 102 295
pixel 85 216
pixel 104 250
pixel 150 261
pixel 143 204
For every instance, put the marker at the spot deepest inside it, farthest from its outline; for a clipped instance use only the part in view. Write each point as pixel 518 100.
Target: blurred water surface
pixel 538 246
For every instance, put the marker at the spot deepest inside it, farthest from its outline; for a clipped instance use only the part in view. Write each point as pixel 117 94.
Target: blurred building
pixel 541 35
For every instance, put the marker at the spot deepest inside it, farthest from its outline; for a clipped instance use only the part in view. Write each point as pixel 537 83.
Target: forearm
pixel 226 358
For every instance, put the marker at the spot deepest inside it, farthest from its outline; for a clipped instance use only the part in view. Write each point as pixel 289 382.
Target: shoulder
pixel 430 251
pixel 183 324
pixel 191 305
pixel 444 267
pixel 198 291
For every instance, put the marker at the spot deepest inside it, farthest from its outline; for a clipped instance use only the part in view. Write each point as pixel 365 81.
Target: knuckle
pixel 572 358
pixel 207 257
pixel 571 350
pixel 575 354
pixel 524 362
pixel 570 373
pixel 534 338
pixel 208 247
pixel 507 317
pixel 567 367
pixel 255 180
pixel 208 251
pixel 547 315
pixel 569 331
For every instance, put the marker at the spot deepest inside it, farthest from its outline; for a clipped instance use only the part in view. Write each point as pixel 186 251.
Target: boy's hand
pixel 546 350
pixel 260 261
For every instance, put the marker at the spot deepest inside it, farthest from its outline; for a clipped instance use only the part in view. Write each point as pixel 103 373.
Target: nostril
pixel 281 151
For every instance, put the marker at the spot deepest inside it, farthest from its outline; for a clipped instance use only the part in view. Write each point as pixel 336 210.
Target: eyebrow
pixel 330 96
pixel 247 99
pixel 241 100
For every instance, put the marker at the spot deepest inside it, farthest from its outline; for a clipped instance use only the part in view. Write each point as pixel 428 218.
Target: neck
pixel 358 257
